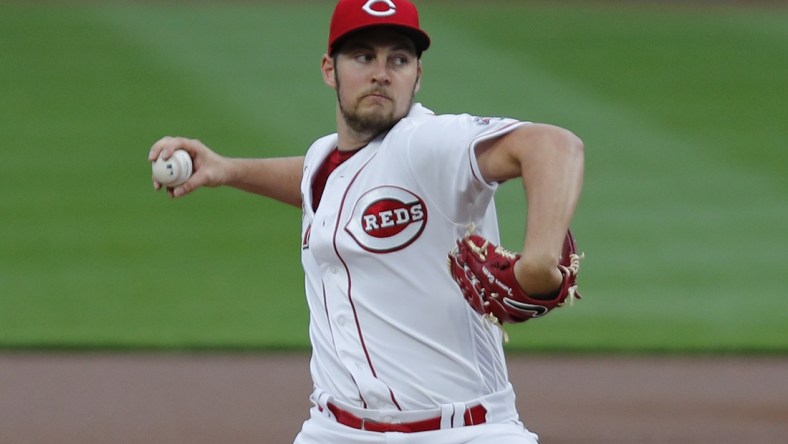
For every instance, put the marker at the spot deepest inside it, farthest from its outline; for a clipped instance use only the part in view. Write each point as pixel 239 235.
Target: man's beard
pixel 373 121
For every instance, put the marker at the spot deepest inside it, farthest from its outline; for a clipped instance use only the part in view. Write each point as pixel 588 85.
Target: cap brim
pixel 419 38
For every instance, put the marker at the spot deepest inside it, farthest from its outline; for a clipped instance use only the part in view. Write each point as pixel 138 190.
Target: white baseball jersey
pixel 390 330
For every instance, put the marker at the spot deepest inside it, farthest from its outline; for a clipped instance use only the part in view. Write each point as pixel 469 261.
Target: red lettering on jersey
pixel 386 218
pixel 305 240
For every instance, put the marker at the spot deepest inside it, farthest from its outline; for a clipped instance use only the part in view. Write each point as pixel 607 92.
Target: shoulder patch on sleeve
pixel 483 121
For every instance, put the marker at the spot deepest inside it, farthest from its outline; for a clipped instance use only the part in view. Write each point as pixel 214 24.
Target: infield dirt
pixel 263 398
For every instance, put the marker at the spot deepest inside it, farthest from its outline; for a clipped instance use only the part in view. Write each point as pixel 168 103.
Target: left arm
pixel 549 160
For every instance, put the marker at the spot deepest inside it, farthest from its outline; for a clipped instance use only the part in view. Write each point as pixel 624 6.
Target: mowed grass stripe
pixel 84 254
pixel 666 220
pixel 670 255
pixel 259 64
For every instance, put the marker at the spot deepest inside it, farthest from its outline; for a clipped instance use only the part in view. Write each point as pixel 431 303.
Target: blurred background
pixel 681 105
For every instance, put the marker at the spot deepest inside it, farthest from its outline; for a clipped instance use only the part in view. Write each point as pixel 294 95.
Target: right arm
pixel 278 178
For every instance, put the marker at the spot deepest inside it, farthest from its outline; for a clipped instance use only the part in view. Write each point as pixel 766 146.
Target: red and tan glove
pixel 485 275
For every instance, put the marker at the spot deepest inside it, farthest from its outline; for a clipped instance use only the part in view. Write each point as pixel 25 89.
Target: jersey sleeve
pixel 442 159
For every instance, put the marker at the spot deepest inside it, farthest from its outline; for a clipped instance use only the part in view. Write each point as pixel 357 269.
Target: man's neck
pixel 350 139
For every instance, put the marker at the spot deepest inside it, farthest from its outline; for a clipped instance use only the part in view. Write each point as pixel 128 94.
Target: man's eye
pixel 401 61
pixel 363 58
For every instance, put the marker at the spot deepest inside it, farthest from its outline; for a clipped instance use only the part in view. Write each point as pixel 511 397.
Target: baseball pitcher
pixel 405 280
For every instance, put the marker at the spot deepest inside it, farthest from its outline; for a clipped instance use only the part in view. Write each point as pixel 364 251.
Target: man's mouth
pixel 377 95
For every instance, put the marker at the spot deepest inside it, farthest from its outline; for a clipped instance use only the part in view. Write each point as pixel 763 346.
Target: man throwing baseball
pixel 405 349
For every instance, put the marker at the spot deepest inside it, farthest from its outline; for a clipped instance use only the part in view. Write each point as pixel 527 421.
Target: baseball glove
pixel 485 275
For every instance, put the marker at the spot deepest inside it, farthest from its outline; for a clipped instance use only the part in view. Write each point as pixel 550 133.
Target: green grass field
pixel 683 217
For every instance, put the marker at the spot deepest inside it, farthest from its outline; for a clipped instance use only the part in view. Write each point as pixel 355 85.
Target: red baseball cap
pixel 355 15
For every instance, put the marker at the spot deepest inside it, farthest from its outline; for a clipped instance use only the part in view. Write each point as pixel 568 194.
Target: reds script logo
pixel 387 219
pixel 368 8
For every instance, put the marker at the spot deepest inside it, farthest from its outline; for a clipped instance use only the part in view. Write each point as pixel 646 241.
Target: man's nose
pixel 381 72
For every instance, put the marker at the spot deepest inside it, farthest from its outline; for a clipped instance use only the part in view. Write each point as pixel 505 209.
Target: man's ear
pixel 418 79
pixel 328 69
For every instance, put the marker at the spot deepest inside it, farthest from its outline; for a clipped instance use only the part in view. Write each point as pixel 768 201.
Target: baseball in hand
pixel 173 171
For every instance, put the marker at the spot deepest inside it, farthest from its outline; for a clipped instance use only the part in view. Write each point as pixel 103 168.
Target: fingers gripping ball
pixel 173 171
pixel 485 274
